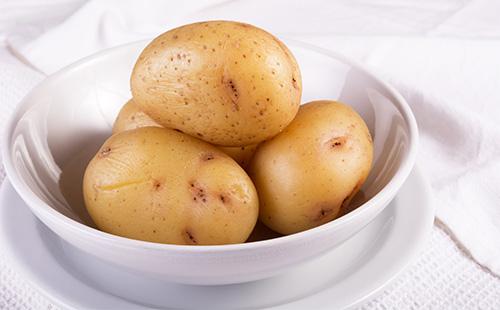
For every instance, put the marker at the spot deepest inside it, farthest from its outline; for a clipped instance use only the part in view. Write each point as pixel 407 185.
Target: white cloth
pixel 401 40
pixel 442 55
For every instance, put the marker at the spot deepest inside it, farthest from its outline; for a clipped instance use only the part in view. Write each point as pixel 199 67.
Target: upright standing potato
pixel 224 82
pixel 159 185
pixel 316 165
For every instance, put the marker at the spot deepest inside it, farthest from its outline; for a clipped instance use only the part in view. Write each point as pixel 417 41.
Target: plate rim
pixel 403 261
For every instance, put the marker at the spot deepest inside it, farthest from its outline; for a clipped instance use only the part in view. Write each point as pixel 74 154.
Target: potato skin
pixel 316 165
pixel 132 117
pixel 241 154
pixel 227 83
pixel 156 184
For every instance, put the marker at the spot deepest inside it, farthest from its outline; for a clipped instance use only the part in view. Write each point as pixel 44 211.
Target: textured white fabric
pixel 443 277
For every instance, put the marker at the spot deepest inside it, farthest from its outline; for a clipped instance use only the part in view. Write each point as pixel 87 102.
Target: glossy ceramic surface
pixel 62 122
pixel 349 274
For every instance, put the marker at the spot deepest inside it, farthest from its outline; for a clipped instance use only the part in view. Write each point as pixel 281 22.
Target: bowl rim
pixel 34 202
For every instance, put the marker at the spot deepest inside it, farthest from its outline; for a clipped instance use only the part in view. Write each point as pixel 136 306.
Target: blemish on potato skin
pixel 233 92
pixel 104 152
pixel 189 237
pixel 207 156
pixel 294 83
pixel 337 142
pixel 325 211
pixel 224 198
pixel 198 192
pixel 157 185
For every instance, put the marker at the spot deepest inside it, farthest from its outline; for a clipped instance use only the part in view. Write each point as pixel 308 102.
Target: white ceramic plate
pixel 351 273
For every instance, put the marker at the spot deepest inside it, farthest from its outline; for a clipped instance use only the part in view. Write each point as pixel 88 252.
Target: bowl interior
pixel 62 123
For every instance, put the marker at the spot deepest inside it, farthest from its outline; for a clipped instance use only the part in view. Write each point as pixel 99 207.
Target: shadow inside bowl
pixel 71 183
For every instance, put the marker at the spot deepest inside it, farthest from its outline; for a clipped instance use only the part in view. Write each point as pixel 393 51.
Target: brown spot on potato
pixel 325 211
pixel 207 156
pixel 294 83
pixel 189 237
pixel 198 192
pixel 157 185
pixel 105 152
pixel 233 92
pixel 223 198
pixel 337 142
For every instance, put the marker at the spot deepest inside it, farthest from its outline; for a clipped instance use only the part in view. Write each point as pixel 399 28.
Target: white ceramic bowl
pixel 62 122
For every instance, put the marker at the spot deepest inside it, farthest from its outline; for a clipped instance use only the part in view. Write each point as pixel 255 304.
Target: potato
pixel 316 165
pixel 160 185
pixel 131 117
pixel 241 154
pixel 224 82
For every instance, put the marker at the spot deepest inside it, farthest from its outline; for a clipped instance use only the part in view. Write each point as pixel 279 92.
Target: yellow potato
pixel 241 154
pixel 316 165
pixel 131 117
pixel 224 82
pixel 160 185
